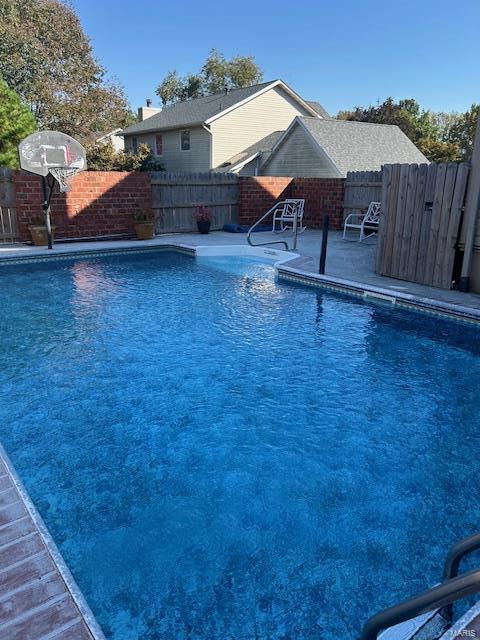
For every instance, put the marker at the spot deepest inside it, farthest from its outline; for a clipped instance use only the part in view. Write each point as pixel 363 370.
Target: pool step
pixel 432 626
pixel 428 626
pixel 468 626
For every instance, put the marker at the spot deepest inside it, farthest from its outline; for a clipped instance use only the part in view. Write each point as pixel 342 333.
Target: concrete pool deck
pixel 347 260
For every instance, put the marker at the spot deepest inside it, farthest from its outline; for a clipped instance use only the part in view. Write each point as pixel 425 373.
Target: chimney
pixel 147 112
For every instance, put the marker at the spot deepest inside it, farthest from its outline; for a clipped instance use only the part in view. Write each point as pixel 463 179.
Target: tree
pixel 103 157
pixel 16 123
pixel 462 131
pixel 170 88
pixel 445 120
pixel 423 127
pixel 47 59
pixel 216 75
pixel 406 114
pixel 440 151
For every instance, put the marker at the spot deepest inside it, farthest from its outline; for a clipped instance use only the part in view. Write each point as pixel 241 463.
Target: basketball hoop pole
pixel 47 196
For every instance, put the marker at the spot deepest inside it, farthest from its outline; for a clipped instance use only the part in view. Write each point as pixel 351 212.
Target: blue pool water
pixel 223 457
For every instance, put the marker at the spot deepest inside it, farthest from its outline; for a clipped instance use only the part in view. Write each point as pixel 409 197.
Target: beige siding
pixel 272 111
pixel 299 157
pixel 174 159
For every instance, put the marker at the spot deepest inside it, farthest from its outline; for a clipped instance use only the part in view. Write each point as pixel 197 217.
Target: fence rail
pixel 8 215
pixel 176 196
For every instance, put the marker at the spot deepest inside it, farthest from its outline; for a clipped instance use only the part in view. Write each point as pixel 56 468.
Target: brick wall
pixel 101 203
pixel 322 196
pixel 257 195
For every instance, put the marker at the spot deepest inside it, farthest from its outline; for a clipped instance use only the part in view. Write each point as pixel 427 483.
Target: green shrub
pixel 103 157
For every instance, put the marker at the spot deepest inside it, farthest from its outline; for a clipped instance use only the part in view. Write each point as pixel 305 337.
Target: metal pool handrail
pixel 440 596
pixel 451 589
pixel 458 552
pixel 265 215
pixel 452 564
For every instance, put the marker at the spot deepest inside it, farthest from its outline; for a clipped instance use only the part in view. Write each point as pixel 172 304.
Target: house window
pixel 134 144
pixel 185 141
pixel 159 144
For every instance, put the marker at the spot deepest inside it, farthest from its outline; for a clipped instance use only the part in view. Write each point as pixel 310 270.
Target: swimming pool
pixel 220 456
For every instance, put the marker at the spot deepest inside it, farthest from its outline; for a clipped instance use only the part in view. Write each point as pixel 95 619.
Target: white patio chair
pixel 285 215
pixel 364 221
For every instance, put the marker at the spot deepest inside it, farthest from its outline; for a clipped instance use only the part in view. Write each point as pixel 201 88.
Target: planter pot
pixel 204 227
pixel 39 235
pixel 145 230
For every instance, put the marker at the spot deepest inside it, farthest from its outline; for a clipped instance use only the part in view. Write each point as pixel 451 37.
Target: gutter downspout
pixel 211 144
pixel 472 203
pixel 257 165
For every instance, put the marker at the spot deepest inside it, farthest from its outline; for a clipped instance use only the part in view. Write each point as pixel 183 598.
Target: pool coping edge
pixel 372 293
pixel 70 583
pixel 284 268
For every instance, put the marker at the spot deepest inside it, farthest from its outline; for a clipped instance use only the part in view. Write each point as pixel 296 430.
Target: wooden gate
pixel 8 216
pixel 361 188
pixel 420 221
pixel 177 195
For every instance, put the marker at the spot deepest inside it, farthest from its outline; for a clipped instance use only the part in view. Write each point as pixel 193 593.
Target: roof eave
pixel 198 123
pixel 273 84
pixel 239 165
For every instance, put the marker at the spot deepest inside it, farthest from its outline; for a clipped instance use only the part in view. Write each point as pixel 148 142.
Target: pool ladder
pixel 283 206
pixel 438 599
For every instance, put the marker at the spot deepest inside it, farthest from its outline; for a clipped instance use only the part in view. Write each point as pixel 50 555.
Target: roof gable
pixel 357 146
pixel 207 109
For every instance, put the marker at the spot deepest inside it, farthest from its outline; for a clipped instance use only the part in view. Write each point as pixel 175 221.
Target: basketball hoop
pixel 52 153
pixel 64 176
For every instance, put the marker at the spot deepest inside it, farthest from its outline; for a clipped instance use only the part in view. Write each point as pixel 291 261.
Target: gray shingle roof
pixel 263 146
pixel 194 111
pixel 318 108
pixel 362 146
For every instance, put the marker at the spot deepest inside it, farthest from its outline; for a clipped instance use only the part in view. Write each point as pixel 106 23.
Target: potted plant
pixel 38 231
pixel 203 215
pixel 144 222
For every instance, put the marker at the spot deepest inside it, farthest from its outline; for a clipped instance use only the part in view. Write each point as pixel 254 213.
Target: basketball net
pixel 64 176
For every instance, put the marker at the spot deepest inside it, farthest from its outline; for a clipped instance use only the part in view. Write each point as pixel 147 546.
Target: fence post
pixel 472 204
pixel 323 255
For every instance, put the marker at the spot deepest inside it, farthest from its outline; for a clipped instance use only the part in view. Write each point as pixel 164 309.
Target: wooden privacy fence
pixel 8 215
pixel 176 196
pixel 361 188
pixel 420 221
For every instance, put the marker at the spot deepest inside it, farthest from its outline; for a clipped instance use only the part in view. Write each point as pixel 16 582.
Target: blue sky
pixel 341 53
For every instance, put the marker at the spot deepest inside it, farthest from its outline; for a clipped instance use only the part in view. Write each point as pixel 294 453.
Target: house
pixel 328 148
pixel 114 137
pixel 206 133
pixel 249 161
